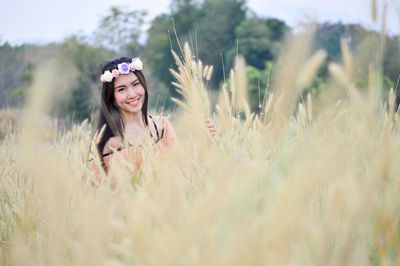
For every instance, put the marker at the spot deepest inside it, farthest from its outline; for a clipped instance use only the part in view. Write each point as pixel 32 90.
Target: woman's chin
pixel 133 110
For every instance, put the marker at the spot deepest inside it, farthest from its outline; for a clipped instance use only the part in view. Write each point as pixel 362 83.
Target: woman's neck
pixel 134 127
pixel 133 119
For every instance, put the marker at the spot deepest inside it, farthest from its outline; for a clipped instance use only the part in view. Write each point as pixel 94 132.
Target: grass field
pixel 307 181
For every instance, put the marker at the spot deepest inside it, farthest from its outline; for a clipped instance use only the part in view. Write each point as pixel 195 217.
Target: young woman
pixel 124 123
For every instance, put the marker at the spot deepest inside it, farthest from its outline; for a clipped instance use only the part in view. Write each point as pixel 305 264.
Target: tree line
pixel 216 30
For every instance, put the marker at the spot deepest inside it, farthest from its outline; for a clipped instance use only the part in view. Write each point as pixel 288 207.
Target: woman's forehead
pixel 125 79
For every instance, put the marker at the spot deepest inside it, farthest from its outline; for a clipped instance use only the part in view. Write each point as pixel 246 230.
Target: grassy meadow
pixel 309 180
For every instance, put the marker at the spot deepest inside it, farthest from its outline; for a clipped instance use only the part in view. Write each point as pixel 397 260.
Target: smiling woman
pixel 129 95
pixel 123 120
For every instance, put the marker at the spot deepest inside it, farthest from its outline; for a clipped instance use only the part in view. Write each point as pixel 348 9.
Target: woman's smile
pixel 134 102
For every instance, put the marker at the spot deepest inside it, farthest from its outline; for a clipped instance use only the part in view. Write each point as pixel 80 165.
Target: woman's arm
pixel 170 134
pixel 93 167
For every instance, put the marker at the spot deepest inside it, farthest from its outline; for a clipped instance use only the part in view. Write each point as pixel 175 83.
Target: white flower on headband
pixel 137 63
pixel 107 76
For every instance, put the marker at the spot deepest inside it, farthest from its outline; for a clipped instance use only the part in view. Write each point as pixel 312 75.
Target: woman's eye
pixel 120 89
pixel 136 84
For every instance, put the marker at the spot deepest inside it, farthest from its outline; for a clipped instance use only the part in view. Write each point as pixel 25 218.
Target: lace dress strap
pixel 159 135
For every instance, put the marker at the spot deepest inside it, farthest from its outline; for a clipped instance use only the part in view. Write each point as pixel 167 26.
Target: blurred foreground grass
pixel 305 182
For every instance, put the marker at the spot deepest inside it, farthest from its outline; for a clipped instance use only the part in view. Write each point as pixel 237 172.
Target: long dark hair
pixel 109 113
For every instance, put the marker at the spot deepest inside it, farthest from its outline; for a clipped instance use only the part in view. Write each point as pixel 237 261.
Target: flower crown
pixel 123 68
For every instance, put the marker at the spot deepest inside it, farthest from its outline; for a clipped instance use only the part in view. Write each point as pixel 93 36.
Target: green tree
pixel 258 80
pixel 161 39
pixel 391 60
pixel 14 62
pixel 385 81
pixel 158 49
pixel 85 94
pixel 186 14
pixel 120 30
pixel 328 37
pixel 216 32
pixel 259 41
pixel 209 31
pixel 257 83
pixel 18 95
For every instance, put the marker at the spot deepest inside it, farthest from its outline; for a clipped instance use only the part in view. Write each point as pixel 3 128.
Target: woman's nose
pixel 131 90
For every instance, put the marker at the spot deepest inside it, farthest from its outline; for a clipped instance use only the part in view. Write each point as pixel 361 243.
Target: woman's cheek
pixel 141 91
pixel 118 97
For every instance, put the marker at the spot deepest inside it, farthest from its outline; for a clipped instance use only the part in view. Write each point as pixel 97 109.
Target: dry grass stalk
pixel 267 108
pixel 310 69
pixel 374 11
pixel 309 107
pixel 340 74
pixel 240 84
pixel 293 58
pixel 347 58
pixel 190 83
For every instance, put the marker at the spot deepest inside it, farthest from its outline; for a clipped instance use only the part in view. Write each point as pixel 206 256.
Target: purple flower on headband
pixel 123 68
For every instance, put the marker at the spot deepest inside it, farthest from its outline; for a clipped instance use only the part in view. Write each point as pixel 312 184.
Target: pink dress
pixel 162 139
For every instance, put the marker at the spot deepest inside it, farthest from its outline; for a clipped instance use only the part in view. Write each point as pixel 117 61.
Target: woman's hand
pixel 212 128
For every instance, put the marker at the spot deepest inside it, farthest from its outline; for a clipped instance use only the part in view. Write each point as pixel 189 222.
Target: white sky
pixel 42 21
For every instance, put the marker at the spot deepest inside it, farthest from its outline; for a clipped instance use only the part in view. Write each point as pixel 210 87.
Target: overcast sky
pixel 42 21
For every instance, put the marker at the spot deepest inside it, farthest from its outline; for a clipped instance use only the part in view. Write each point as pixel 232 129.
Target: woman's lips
pixel 134 102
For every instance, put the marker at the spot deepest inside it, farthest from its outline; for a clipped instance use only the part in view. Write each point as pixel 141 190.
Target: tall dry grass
pixel 306 182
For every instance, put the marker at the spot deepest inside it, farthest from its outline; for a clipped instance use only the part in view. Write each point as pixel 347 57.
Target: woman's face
pixel 129 93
